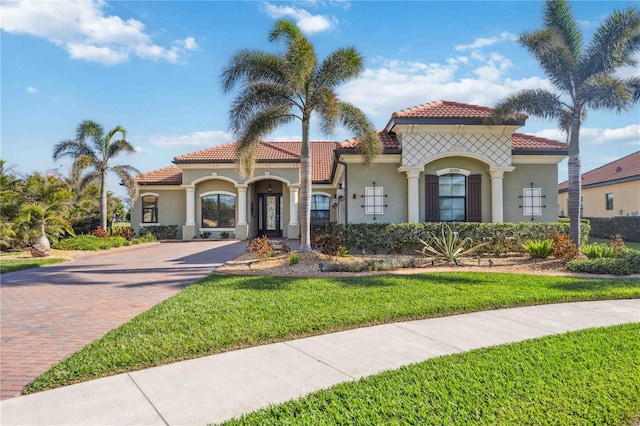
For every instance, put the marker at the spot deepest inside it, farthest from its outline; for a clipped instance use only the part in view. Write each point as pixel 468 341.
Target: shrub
pixel 627 226
pixel 224 235
pixel 617 243
pixel 370 265
pixel 564 248
pixel 625 264
pixel 100 233
pixel 205 235
pixel 293 259
pixel 90 242
pixel 448 246
pixel 146 238
pixel 328 244
pixel 161 232
pixel 260 247
pixel 123 232
pixel 540 249
pixel 596 251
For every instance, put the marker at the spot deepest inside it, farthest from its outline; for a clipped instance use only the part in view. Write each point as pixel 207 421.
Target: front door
pixel 269 215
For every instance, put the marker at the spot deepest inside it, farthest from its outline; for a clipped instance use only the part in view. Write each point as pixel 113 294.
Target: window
pixel 609 201
pixel 532 201
pixel 373 200
pixel 150 209
pixel 452 197
pixel 320 212
pixel 218 211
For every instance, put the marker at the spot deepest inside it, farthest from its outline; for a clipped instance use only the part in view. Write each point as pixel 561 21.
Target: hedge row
pixel 404 238
pixel 627 226
pixel 625 264
pixel 161 232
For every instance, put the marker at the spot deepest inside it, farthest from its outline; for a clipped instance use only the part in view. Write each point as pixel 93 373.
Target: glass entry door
pixel 269 215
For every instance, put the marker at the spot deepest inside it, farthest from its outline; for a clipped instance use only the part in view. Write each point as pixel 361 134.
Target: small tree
pixel 43 214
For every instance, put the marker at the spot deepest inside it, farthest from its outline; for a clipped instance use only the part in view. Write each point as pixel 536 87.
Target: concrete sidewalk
pixel 219 387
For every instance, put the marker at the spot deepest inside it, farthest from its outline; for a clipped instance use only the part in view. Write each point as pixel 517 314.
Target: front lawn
pixel 226 312
pixel 12 265
pixel 588 377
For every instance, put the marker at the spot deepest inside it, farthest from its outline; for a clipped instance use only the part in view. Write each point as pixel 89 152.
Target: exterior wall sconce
pixel 338 197
pixel 269 188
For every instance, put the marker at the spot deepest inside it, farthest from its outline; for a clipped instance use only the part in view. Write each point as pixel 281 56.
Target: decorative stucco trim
pixel 204 194
pixel 214 177
pixel 267 176
pixel 380 159
pixel 453 170
pixel 537 159
pixel 175 187
pixel 326 194
pixel 147 194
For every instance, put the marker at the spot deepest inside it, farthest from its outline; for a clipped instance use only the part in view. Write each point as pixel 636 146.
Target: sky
pixel 153 67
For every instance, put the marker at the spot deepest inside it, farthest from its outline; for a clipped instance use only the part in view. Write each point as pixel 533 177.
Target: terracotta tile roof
pixel 625 167
pixel 321 157
pixel 520 141
pixel 444 109
pixel 171 175
pixel 388 141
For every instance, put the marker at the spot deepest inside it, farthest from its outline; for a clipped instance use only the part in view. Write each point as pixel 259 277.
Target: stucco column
pixel 242 204
pixel 191 205
pixel 497 204
pixel 413 207
pixel 293 206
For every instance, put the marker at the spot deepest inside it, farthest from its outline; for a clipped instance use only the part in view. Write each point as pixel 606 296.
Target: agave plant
pixel 448 247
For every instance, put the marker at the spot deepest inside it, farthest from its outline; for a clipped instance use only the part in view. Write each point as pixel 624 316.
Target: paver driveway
pixel 49 313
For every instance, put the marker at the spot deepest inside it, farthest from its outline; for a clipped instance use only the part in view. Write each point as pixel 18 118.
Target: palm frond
pixel 341 65
pixel 554 57
pixel 117 147
pixel 633 86
pixel 252 65
pixel 261 124
pixel 254 97
pixel 284 29
pixel 614 43
pixel 88 129
pixel 327 104
pixel 537 102
pixel 72 149
pixel 354 120
pixel 606 92
pixel 127 174
pixel 300 60
pixel 558 18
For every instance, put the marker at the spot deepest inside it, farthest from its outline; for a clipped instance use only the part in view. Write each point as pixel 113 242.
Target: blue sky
pixel 154 67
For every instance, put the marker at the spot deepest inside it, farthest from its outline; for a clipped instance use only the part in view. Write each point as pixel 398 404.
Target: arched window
pixel 452 193
pixel 320 212
pixel 218 211
pixel 149 209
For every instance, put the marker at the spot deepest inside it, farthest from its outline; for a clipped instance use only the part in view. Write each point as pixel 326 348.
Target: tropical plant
pixel 581 77
pixel 45 213
pixel 540 249
pixel 261 247
pixel 276 89
pixel 597 251
pixel 564 248
pixel 93 149
pixel 448 246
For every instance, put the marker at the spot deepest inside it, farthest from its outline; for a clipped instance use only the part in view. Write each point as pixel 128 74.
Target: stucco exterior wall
pixel 544 176
pixel 394 185
pixel 171 208
pixel 626 197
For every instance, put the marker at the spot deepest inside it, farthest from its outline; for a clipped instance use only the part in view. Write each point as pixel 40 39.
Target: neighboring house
pixel 439 162
pixel 610 190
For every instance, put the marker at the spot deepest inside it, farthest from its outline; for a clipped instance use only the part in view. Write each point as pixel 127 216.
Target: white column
pixel 242 204
pixel 293 206
pixel 497 206
pixel 191 205
pixel 413 207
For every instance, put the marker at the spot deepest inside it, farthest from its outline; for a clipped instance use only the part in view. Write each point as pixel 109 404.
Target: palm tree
pixel 276 89
pixel 98 154
pixel 581 78
pixel 46 213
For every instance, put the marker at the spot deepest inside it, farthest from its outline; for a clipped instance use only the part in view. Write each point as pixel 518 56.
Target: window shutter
pixel 474 203
pixel 433 205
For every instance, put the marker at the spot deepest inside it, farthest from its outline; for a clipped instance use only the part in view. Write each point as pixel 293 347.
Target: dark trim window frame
pixel 150 209
pixel 608 201
pixel 320 209
pixel 218 211
pixel 452 197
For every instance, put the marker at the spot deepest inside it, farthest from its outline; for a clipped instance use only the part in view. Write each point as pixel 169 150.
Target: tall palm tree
pixel 276 89
pixel 91 146
pixel 581 77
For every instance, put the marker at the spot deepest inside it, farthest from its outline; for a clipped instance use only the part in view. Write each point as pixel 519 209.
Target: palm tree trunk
pixel 103 200
pixel 575 183
pixel 305 189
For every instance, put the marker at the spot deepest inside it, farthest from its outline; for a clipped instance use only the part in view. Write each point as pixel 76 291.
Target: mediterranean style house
pixel 610 190
pixel 440 161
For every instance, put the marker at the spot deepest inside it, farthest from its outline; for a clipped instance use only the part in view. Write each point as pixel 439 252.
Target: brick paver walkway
pixel 49 313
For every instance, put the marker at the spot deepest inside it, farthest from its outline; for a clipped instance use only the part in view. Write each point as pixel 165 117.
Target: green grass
pixel 628 244
pixel 588 377
pixel 12 265
pixel 225 312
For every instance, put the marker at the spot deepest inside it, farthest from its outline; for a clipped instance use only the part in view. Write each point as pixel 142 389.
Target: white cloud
pixel 308 23
pixel 629 135
pixel 202 138
pixel 140 149
pixel 486 41
pixel 31 89
pixel 82 28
